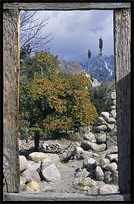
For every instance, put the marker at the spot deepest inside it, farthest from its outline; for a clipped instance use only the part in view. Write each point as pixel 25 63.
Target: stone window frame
pixel 122 53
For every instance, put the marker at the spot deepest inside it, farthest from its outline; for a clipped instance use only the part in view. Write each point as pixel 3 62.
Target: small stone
pixel 100 121
pixel 89 136
pixel 33 185
pixel 22 180
pixel 86 145
pixel 111 167
pixel 99 128
pixel 92 183
pixel 99 174
pixel 85 181
pixel 101 137
pixel 105 115
pixel 101 147
pixel 112 157
pixel 23 163
pixel 107 177
pixel 104 162
pixel 110 142
pixel 115 177
pixel 89 163
pixel 31 175
pixel 113 95
pixel 110 127
pixel 113 102
pixel 112 107
pixel 33 166
pixel 113 112
pixel 112 149
pixel 108 189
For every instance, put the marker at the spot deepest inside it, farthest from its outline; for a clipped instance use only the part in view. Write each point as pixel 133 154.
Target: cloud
pixel 74 32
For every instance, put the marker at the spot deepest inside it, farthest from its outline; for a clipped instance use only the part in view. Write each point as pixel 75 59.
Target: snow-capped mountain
pixel 108 73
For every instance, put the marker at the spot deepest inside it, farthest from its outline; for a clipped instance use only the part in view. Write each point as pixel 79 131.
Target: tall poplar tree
pixel 89 56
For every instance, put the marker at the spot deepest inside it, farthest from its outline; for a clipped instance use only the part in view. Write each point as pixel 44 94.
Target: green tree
pixel 53 101
pixel 100 47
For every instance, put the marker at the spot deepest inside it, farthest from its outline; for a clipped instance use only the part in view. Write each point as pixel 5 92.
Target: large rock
pixel 100 121
pixel 111 167
pixel 89 136
pixel 38 156
pixel 33 185
pixel 23 163
pixel 50 172
pixel 105 115
pixel 89 163
pixel 99 173
pixel 108 189
pixel 101 137
pixel 99 128
pixel 31 175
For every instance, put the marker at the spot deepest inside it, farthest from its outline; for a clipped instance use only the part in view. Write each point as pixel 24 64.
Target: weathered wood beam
pixel 11 62
pixel 64 6
pixel 46 196
pixel 122 39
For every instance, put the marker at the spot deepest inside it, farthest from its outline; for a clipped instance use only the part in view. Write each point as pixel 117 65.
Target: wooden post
pixel 122 36
pixel 11 99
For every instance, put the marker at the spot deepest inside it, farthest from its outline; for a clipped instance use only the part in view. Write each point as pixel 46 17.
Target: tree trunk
pixel 36 143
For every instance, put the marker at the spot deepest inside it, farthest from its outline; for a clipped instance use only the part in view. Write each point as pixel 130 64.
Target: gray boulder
pixel 50 172
pixel 110 127
pixel 86 145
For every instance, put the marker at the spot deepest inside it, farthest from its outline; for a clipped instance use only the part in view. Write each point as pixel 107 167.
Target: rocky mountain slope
pixel 108 72
pixel 70 67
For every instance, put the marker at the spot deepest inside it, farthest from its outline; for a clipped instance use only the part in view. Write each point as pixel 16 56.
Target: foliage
pixel 67 101
pixel 99 96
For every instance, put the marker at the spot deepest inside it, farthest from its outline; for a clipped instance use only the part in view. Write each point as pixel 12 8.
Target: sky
pixel 74 32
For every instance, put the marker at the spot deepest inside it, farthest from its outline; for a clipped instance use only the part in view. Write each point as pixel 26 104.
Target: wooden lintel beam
pixel 65 6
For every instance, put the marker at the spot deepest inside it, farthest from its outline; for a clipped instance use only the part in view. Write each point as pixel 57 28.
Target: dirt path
pixel 65 185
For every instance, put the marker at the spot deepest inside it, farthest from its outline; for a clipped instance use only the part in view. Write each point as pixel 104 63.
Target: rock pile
pixel 39 167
